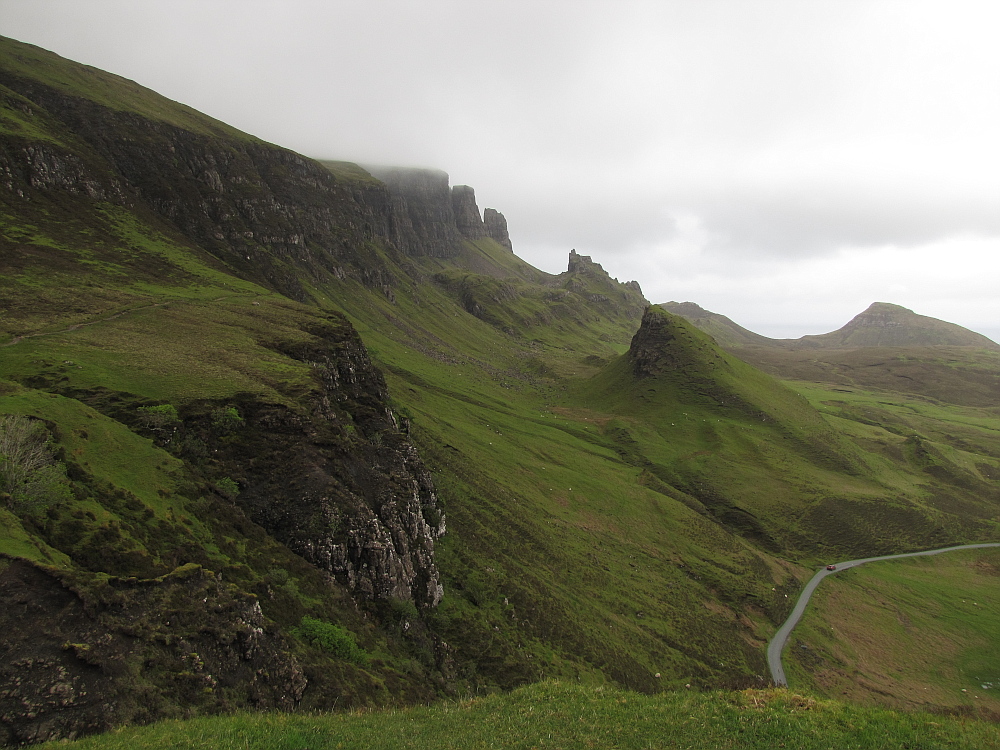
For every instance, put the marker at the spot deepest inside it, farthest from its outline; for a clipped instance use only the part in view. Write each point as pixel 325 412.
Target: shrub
pixel 403 610
pixel 161 417
pixel 334 639
pixel 30 475
pixel 228 487
pixel 226 419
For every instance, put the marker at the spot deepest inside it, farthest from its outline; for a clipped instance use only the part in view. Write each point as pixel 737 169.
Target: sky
pixel 783 162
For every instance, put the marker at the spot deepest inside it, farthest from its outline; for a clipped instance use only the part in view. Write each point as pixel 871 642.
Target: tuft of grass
pixel 332 638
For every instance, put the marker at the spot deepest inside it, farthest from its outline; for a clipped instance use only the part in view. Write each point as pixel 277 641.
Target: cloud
pixel 953 279
pixel 673 140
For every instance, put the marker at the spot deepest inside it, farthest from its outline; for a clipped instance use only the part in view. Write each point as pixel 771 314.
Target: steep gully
pixel 777 644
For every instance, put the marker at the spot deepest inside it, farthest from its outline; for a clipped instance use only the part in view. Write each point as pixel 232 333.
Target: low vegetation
pixel 559 715
pixel 30 476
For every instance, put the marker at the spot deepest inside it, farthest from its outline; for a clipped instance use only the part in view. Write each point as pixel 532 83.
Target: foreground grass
pixel 558 715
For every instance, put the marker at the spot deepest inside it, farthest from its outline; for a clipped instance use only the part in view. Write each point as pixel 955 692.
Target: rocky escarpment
pixel 429 218
pixel 339 482
pixel 272 216
pixel 467 219
pixel 86 653
pixel 496 228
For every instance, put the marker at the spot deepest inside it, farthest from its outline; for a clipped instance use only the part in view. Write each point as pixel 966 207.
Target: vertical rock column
pixel 496 227
pixel 467 220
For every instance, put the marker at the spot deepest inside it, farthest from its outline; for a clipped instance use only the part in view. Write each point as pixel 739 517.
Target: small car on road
pixel 831 567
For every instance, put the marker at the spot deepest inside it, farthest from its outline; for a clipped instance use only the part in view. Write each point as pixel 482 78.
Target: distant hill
pixel 727 333
pixel 882 324
pixel 887 347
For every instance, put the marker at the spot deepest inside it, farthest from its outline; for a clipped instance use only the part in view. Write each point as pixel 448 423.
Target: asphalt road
pixel 777 644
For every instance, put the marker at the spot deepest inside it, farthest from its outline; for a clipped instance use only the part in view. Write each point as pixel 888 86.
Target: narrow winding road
pixel 777 644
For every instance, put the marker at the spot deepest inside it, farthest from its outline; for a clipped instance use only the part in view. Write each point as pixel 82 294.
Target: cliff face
pixel 343 485
pixel 85 654
pixel 428 218
pixel 467 219
pixel 268 213
pixel 422 216
pixel 496 227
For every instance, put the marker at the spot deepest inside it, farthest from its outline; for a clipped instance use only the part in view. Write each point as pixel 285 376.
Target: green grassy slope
pixel 703 469
pixel 966 376
pixel 727 333
pixel 557 548
pixel 38 65
pixel 561 715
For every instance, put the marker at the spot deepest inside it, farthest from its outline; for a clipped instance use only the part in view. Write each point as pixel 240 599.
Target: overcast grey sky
pixel 783 162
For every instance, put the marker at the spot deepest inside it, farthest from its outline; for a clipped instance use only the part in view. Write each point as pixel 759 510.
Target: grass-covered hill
pixel 303 438
pixel 885 348
pixel 881 326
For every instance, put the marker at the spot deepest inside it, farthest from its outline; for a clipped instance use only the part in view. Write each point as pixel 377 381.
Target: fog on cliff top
pixel 784 163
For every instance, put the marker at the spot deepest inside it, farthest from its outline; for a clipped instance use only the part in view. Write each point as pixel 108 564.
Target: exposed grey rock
pixel 85 653
pixel 496 227
pixel 342 485
pixel 422 216
pixel 467 219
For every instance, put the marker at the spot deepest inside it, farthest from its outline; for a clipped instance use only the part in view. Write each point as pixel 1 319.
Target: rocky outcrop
pixel 588 280
pixel 428 218
pixel 584 264
pixel 467 219
pixel 85 653
pixel 339 482
pixel 496 228
pixel 422 218
pixel 666 343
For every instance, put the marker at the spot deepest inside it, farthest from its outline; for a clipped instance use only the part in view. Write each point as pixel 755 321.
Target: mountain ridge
pixel 882 324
